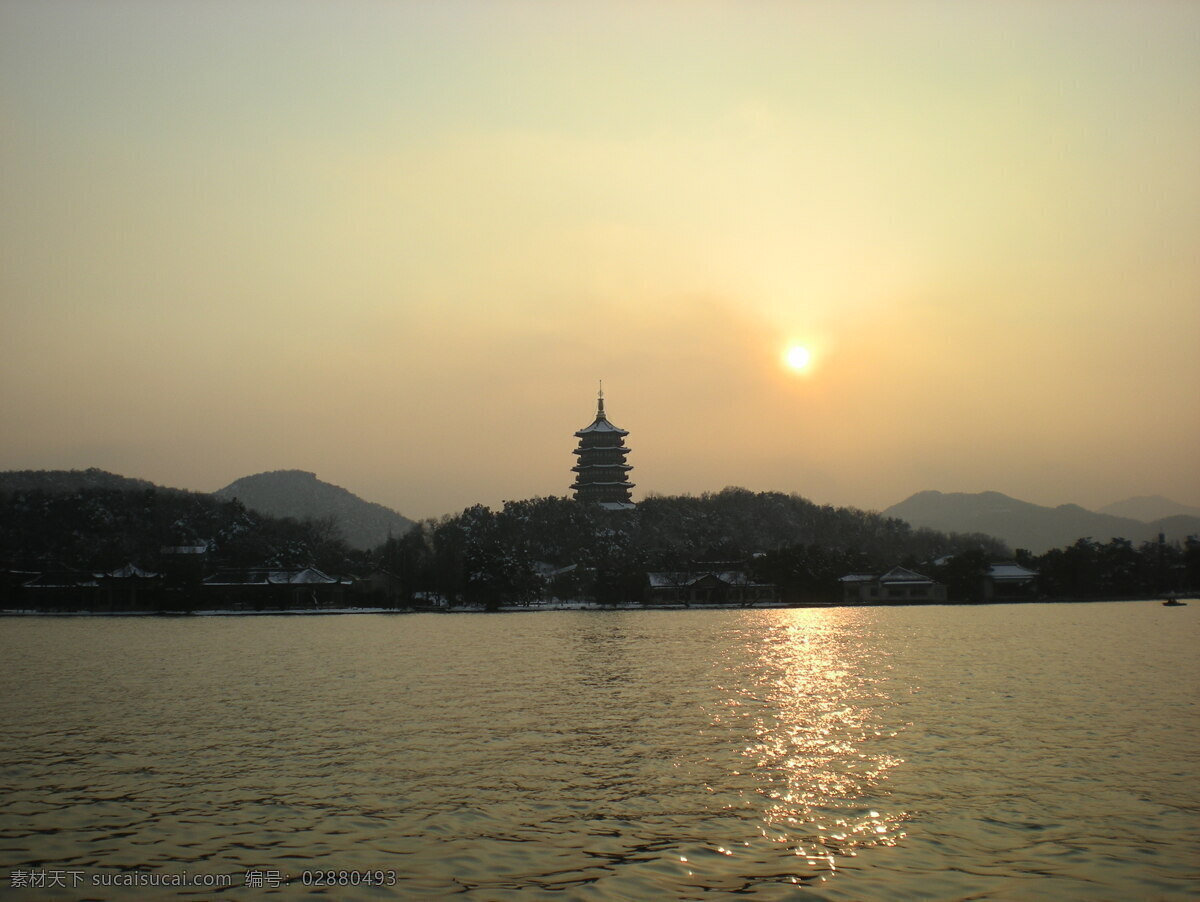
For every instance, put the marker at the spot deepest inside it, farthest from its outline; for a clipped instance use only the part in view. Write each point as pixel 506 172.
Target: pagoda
pixel 602 472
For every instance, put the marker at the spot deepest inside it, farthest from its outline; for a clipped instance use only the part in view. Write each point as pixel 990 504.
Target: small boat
pixel 1174 603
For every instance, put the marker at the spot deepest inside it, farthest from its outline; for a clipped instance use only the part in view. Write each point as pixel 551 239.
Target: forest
pixel 527 549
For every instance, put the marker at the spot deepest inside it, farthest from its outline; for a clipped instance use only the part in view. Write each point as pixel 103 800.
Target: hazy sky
pixel 398 244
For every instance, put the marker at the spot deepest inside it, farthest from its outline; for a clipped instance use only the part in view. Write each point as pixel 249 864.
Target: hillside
pixel 493 556
pixel 62 482
pixel 1034 527
pixel 60 520
pixel 298 494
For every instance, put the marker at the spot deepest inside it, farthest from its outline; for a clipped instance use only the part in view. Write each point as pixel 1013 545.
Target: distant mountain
pixel 298 494
pixel 1031 526
pixel 1148 508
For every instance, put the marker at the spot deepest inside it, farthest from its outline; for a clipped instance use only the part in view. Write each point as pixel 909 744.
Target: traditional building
pixel 725 586
pixel 63 590
pixel 130 588
pixel 602 474
pixel 1009 582
pixel 265 588
pixel 897 586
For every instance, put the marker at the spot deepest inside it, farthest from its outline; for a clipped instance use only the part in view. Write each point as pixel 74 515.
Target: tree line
pixel 554 546
pixel 1117 568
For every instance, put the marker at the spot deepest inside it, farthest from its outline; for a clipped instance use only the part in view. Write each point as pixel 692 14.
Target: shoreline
pixel 574 606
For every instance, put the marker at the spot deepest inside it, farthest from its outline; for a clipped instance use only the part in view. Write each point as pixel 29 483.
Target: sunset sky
pixel 398 244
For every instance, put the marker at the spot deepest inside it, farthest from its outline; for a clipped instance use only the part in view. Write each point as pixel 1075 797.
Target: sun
pixel 797 357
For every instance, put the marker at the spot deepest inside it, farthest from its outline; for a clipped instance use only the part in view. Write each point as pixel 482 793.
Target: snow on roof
pixel 895 575
pixel 615 505
pixel 548 570
pixel 63 581
pixel 132 571
pixel 600 424
pixel 903 575
pixel 239 578
pixel 665 580
pixel 268 577
pixel 857 578
pixel 310 575
pixel 1010 571
pixel 680 579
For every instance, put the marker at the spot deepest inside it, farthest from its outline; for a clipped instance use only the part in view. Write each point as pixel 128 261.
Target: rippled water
pixel 1003 752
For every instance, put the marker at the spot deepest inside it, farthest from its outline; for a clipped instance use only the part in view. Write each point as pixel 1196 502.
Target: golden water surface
pixel 1006 752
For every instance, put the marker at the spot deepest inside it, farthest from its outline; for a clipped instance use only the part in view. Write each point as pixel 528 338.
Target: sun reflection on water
pixel 816 739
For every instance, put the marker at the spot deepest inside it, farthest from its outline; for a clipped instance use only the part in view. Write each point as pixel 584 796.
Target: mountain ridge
pixel 1149 508
pixel 1034 527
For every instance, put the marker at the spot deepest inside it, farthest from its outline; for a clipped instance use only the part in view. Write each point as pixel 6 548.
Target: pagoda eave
pixel 592 430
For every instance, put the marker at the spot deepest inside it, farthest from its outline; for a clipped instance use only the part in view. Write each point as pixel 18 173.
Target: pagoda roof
pixel 601 424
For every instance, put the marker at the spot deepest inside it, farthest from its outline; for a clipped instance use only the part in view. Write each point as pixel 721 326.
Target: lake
pixel 998 752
